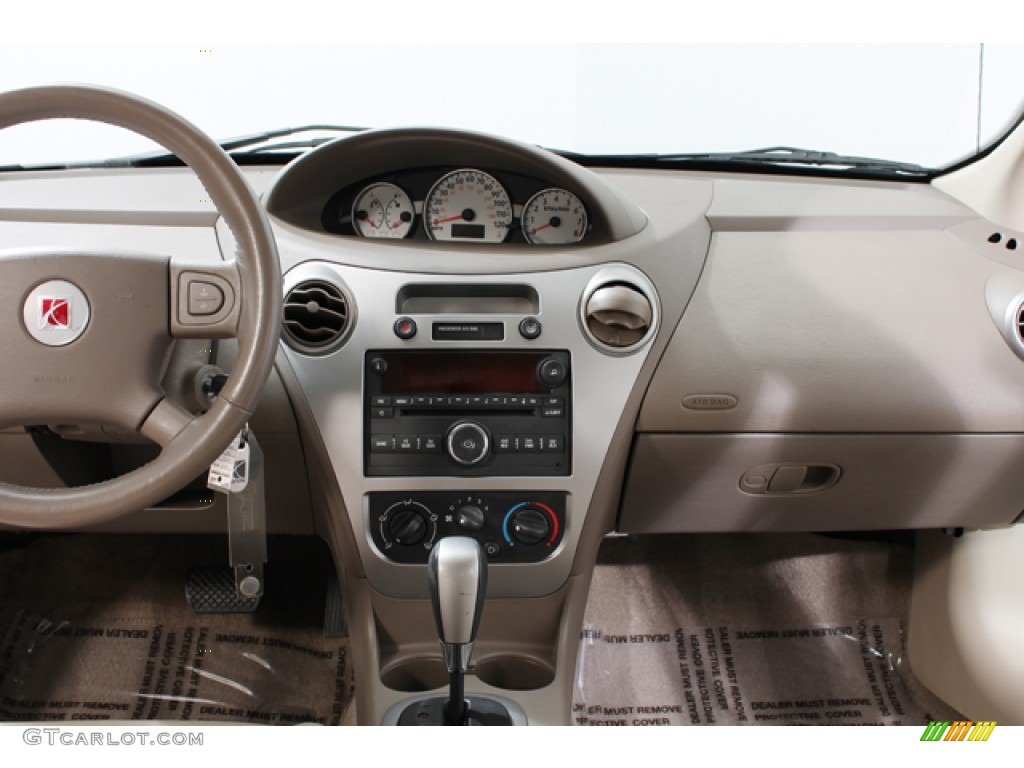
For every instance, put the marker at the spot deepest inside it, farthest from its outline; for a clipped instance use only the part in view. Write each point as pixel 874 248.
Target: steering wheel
pixel 85 334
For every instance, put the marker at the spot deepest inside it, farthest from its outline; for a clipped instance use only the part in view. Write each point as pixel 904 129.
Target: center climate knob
pixel 530 526
pixel 468 443
pixel 407 526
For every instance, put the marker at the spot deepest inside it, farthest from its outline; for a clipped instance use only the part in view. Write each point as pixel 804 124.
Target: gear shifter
pixel 458 580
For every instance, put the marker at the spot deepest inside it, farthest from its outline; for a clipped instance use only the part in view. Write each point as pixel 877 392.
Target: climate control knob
pixel 470 517
pixel 407 526
pixel 468 443
pixel 530 526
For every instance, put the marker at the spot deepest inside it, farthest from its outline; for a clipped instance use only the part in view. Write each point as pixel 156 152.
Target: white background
pixel 925 103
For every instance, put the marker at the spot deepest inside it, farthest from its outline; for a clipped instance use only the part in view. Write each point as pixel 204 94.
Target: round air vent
pixel 618 315
pixel 317 316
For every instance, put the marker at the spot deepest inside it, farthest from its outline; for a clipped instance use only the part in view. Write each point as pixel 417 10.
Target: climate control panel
pixel 511 526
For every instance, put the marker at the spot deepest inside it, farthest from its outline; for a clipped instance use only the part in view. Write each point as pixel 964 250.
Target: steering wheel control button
pixel 552 372
pixel 468 443
pixel 204 298
pixel 530 328
pixel 205 303
pixel 56 313
pixel 405 327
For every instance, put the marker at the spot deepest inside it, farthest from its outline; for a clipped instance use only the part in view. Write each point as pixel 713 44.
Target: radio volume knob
pixel 468 443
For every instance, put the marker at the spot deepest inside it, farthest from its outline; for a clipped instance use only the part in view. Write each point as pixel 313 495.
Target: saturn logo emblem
pixel 56 313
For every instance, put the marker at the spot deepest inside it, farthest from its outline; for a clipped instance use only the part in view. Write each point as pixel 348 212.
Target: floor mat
pixel 95 628
pixel 750 630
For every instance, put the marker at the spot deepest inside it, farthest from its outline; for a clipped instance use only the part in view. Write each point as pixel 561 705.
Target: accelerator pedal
pixel 334 611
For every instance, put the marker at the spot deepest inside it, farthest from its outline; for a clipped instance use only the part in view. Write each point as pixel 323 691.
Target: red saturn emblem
pixel 55 312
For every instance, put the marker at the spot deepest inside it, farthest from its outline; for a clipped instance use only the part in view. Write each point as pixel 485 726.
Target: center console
pixel 484 408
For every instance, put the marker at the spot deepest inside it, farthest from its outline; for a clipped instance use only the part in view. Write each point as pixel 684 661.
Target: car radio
pixel 467 414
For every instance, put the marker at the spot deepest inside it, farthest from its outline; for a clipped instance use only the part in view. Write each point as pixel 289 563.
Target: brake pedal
pixel 212 590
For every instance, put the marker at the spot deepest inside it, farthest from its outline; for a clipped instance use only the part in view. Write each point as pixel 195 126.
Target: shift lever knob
pixel 458 580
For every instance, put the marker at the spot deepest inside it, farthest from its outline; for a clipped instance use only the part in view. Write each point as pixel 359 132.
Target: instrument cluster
pixel 458 205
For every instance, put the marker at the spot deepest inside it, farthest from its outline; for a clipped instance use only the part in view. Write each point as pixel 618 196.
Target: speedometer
pixel 468 205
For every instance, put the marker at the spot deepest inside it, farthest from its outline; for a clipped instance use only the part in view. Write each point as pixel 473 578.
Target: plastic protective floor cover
pixel 680 630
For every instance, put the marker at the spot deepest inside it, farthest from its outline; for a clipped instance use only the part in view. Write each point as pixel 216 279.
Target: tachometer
pixel 382 210
pixel 467 205
pixel 554 217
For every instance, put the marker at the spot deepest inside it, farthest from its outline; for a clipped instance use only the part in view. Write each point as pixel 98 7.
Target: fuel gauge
pixel 383 210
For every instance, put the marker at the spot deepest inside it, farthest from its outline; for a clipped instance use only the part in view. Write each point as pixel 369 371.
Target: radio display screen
pixel 478 373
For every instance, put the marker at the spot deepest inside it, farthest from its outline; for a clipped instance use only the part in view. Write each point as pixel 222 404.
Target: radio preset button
pixel 505 443
pixel 430 443
pixel 552 443
pixel 529 443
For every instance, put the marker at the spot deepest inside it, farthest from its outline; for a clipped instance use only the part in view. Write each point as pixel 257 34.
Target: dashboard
pixel 483 338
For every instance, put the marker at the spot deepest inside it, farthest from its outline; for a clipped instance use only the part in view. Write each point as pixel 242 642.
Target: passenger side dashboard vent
pixel 317 316
pixel 1005 301
pixel 618 314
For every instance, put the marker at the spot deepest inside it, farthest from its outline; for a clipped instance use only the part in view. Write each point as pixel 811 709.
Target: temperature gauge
pixel 383 210
pixel 554 217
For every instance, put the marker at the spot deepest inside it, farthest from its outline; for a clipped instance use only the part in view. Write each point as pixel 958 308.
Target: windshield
pixel 930 105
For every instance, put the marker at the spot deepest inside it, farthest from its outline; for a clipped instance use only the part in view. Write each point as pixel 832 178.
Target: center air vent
pixel 317 316
pixel 618 315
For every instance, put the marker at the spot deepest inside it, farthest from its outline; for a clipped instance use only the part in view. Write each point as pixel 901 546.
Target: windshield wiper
pixel 767 159
pixel 240 149
pixel 809 157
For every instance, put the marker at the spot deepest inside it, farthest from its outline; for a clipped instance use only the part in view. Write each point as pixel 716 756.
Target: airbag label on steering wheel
pixel 230 472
